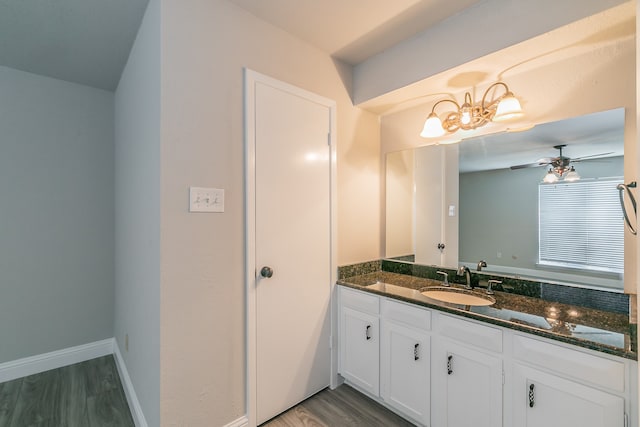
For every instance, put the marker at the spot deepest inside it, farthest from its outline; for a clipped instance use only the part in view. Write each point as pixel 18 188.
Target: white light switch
pixel 206 199
pixel 452 210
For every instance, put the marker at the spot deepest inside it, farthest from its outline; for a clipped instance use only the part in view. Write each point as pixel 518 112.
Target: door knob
pixel 266 272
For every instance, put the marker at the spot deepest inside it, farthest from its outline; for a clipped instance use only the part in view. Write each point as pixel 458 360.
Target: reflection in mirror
pixel 487 210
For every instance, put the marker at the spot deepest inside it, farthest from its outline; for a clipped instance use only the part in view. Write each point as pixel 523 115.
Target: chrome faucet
pixel 464 271
pixel 492 282
pixel 481 263
pixel 445 277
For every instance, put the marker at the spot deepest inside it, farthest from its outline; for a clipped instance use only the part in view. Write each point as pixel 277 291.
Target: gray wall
pixel 137 206
pixel 56 214
pixel 499 212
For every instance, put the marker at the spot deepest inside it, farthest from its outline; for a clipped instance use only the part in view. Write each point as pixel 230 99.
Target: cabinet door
pixel 467 386
pixel 360 349
pixel 545 400
pixel 405 355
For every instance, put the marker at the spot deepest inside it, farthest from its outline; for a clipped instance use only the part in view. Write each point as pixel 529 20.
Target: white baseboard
pixel 240 422
pixel 53 360
pixel 129 391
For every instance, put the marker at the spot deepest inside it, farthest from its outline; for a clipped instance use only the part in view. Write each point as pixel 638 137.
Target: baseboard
pixel 129 391
pixel 240 422
pixel 53 360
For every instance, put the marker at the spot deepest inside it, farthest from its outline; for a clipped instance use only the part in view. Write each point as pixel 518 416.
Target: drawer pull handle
pixel 532 396
pixel 449 363
pixel 366 332
pixel 415 352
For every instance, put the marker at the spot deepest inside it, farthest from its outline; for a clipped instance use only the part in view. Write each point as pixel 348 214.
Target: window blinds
pixel 581 225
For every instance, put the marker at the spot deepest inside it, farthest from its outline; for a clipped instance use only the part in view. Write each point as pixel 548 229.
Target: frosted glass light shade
pixel 572 175
pixel 432 127
pixel 465 114
pixel 550 177
pixel 508 108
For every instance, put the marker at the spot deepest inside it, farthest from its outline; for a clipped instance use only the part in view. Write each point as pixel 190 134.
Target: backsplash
pixel 359 269
pixel 591 298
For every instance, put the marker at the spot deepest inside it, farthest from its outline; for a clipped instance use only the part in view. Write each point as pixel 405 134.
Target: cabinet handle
pixel 532 396
pixel 415 352
pixel 449 368
pixel 366 332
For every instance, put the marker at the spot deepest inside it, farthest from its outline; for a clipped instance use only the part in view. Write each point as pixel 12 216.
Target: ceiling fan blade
pixel 540 162
pixel 592 156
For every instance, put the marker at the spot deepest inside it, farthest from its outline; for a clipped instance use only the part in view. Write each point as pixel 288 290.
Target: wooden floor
pixel 342 407
pixel 87 394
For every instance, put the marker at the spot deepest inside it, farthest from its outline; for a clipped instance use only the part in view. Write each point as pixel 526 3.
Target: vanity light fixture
pixel 471 115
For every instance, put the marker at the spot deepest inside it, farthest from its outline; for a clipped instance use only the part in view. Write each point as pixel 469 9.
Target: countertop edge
pixel 602 348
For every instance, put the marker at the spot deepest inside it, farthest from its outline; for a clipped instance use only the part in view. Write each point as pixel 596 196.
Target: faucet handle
pixel 492 282
pixel 445 279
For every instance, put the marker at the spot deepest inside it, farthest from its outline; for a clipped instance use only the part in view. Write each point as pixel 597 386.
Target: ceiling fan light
pixel 508 108
pixel 432 127
pixel 550 177
pixel 572 175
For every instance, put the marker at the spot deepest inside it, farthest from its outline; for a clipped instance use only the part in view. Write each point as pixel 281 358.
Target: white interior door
pixel 293 240
pixel 436 205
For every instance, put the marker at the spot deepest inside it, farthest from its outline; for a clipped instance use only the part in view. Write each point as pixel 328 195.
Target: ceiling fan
pixel 559 166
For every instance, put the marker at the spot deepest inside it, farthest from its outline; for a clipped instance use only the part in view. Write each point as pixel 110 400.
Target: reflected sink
pixel 457 296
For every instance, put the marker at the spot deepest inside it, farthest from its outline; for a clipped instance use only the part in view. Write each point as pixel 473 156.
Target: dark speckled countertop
pixel 604 331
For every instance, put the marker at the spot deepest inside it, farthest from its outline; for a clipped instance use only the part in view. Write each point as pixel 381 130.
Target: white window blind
pixel 581 225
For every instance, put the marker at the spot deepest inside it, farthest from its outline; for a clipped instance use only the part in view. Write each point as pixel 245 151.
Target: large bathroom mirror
pixel 501 200
pixel 577 85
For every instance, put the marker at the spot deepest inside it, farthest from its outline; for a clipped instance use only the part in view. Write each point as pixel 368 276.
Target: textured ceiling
pixel 81 41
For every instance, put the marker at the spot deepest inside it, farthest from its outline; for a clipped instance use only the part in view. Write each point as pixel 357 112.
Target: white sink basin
pixel 458 296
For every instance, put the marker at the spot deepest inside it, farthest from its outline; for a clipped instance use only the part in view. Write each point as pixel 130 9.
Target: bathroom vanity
pixel 522 361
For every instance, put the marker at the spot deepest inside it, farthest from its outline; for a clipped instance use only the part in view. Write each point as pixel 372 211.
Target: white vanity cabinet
pixel 467 374
pixel 385 350
pixel 405 354
pixel 556 386
pixel 442 370
pixel 359 341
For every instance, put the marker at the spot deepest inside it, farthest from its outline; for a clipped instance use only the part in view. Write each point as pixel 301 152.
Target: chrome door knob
pixel 266 272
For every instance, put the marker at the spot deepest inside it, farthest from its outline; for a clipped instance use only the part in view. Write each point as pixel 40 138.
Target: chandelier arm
pixel 486 92
pixel 433 109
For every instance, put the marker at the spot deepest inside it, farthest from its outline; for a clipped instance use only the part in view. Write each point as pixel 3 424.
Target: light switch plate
pixel 203 199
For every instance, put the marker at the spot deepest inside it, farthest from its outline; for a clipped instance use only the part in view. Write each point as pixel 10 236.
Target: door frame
pixel 251 78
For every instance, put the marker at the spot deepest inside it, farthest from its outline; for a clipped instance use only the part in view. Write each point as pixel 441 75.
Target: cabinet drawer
pixel 361 301
pixel 471 333
pixel 577 364
pixel 410 315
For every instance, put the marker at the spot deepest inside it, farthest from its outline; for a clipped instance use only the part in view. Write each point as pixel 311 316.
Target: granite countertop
pixel 611 333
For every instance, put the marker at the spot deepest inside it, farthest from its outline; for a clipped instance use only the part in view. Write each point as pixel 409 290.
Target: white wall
pixel 137 207
pixel 205 45
pixel 56 187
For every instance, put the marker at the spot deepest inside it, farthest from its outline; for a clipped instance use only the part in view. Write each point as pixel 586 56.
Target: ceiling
pixel 81 41
pixel 354 30
pixel 88 41
pixel 598 134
